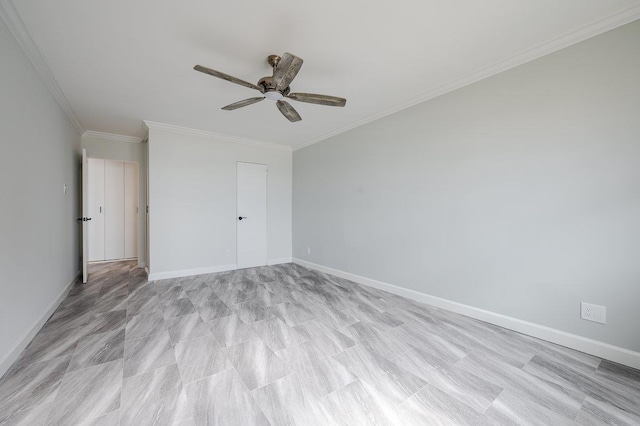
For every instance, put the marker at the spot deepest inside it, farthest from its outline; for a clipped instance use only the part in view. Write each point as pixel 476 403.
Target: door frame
pixel 85 210
pixel 266 211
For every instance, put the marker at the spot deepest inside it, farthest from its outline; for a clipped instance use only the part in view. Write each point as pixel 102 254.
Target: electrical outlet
pixel 65 189
pixel 308 250
pixel 595 313
pixel 227 252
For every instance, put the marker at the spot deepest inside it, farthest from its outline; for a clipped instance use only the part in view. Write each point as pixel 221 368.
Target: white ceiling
pixel 119 62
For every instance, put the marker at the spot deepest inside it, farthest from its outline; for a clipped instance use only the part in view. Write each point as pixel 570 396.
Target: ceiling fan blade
pixel 312 98
pixel 287 110
pixel 286 71
pixel 225 77
pixel 243 103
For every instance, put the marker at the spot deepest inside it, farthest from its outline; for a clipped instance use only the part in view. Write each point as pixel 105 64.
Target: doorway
pixel 251 215
pixel 113 207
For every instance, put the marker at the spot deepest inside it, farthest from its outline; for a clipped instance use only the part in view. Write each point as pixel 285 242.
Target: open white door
pixel 252 215
pixel 85 213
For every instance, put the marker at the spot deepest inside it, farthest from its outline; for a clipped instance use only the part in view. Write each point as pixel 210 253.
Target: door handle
pixel 83 219
pixel 241 217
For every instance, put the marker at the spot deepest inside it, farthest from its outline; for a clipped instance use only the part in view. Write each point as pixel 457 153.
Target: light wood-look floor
pixel 285 345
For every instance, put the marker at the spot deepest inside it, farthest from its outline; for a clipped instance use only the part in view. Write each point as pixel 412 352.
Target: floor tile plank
pixel 256 363
pixel 223 399
pixel 322 374
pixel 156 397
pixel 87 394
pixel 147 353
pixel 200 358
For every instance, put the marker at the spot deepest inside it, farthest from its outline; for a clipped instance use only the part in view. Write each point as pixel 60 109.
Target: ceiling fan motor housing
pixel 266 84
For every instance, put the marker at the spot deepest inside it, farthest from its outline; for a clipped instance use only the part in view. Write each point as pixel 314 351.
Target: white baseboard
pixel 96 262
pixel 208 270
pixel 569 340
pixel 279 261
pixel 190 272
pixel 13 355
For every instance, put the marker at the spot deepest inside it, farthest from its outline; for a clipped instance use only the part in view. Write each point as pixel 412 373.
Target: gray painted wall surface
pixel 192 201
pixel 519 194
pixel 39 236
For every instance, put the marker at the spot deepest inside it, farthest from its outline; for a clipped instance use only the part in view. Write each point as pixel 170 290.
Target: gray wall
pixel 39 236
pixel 192 202
pixel 519 194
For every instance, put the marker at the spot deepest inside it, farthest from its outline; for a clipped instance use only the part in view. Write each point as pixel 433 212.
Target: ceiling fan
pixel 276 87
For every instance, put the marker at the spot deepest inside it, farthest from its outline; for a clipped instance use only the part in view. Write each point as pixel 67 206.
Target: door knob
pixel 241 217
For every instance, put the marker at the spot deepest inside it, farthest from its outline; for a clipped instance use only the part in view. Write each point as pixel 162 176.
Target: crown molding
pixel 590 30
pixel 11 17
pixel 111 137
pixel 217 136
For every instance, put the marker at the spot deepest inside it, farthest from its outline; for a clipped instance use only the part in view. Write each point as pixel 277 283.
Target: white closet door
pixel 114 209
pixel 96 209
pixel 130 210
pixel 252 215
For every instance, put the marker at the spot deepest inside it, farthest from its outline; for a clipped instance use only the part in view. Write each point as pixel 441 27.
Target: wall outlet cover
pixel 595 313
